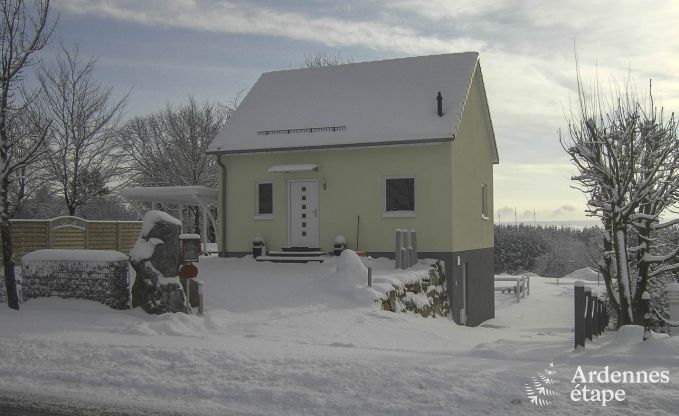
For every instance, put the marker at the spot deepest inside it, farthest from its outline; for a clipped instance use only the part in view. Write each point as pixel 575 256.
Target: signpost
pixel 190 252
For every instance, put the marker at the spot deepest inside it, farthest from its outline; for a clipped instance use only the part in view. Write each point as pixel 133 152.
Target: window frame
pixel 401 213
pixel 258 215
pixel 484 202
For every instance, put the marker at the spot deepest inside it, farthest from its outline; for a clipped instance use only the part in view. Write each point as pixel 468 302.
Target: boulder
pixel 155 259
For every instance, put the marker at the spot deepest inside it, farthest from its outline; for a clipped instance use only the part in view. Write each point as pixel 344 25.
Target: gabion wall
pixel 107 282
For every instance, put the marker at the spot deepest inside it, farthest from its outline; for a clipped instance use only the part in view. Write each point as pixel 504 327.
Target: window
pixel 484 202
pixel 264 208
pixel 399 196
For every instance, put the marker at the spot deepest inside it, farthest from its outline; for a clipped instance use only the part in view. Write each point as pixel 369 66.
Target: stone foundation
pixel 426 297
pixel 71 274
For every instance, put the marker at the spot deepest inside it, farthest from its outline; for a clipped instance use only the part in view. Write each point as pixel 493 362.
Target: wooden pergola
pixel 180 196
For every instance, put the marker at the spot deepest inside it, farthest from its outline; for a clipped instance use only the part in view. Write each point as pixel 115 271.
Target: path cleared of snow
pixel 288 339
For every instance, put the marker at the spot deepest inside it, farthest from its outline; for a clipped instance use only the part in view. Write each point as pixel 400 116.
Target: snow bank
pixel 583 274
pixel 350 268
pixel 629 334
pixel 280 339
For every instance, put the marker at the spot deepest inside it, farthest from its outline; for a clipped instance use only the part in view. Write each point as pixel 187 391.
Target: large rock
pixel 155 258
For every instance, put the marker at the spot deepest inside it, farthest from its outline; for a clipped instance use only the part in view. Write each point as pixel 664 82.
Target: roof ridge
pixel 348 64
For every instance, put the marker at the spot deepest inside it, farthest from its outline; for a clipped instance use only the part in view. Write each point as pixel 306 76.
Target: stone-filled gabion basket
pixel 97 275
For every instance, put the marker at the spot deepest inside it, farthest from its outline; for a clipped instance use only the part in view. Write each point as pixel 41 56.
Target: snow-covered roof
pixel 182 195
pixel 357 104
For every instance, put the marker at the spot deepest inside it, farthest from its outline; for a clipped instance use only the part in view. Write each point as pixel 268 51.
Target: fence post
pixel 402 250
pixel 646 302
pixel 588 313
pixel 408 248
pixel 517 291
pixel 413 244
pixel 579 316
pixel 86 235
pixel 605 308
pixel 118 235
pixel 49 233
pixel 673 296
pixel 527 285
pixel 397 249
pixel 595 315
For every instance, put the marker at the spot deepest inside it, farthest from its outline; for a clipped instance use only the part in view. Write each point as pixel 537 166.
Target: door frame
pixel 318 211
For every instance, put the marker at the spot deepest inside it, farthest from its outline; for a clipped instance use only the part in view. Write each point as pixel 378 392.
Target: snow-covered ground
pixel 289 339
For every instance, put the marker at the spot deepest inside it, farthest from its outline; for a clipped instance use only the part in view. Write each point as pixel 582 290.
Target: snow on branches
pixel 627 155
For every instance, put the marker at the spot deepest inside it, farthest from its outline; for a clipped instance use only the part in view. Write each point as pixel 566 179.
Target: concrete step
pixel 296 253
pixel 291 259
pixel 298 249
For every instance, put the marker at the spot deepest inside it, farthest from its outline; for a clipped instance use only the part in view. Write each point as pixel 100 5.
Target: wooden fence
pixel 520 286
pixel 590 314
pixel 73 233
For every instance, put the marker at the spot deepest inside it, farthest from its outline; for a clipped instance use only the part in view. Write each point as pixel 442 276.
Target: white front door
pixel 303 209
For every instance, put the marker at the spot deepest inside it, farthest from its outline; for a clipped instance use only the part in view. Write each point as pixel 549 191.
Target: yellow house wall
pixel 354 187
pixel 472 166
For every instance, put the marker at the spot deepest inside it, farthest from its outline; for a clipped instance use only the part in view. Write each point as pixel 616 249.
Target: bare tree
pixel 169 147
pixel 627 155
pixel 24 30
pixel 84 117
pixel 321 59
pixel 26 180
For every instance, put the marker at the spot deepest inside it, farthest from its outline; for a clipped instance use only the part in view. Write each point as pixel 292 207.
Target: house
pixel 360 150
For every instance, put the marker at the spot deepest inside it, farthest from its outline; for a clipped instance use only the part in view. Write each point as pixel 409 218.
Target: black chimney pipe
pixel 439 100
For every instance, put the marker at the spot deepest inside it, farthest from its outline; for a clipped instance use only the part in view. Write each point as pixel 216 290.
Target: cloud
pixel 234 18
pixel 506 211
pixel 565 210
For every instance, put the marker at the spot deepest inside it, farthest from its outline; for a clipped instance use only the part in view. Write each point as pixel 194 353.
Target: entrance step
pixel 296 253
pixel 300 249
pixel 291 259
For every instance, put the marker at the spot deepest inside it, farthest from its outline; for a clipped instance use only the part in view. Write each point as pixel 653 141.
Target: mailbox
pixel 190 247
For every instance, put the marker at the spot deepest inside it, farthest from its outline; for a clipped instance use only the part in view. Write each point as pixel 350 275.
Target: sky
pixel 164 51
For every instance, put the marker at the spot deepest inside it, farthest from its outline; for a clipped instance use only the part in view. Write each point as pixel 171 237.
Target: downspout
pixel 222 204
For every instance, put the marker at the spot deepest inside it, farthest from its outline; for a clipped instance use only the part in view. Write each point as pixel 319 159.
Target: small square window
pixel 303 215
pixel 303 188
pixel 303 233
pixel 399 194
pixel 303 197
pixel 303 206
pixel 264 198
pixel 303 225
